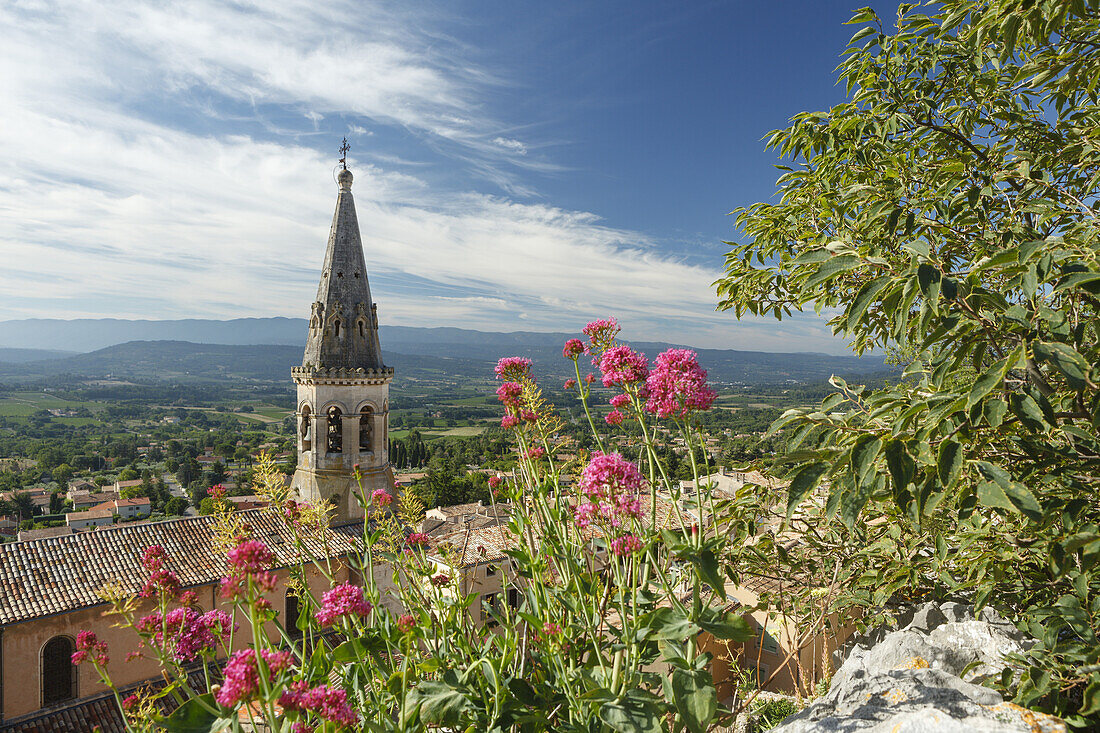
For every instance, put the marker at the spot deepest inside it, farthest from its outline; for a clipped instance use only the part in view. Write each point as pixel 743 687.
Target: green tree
pixel 63 474
pixel 24 505
pixel 949 209
pixel 176 506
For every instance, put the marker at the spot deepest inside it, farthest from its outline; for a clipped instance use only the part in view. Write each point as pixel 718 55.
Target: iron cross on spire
pixel 344 148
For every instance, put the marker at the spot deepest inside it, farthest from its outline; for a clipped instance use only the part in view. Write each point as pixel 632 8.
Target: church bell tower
pixel 343 386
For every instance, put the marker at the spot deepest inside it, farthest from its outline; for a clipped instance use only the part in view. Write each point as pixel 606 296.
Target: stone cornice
pixel 309 374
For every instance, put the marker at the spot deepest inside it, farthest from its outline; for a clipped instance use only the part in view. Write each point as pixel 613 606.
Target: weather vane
pixel 344 148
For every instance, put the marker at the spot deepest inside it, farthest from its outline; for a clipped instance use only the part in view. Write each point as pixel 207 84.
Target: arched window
pixel 307 418
pixel 366 430
pixel 335 430
pixel 362 328
pixel 336 324
pixel 292 609
pixel 58 670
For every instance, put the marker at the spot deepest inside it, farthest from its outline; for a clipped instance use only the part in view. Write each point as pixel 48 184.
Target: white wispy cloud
pixel 125 193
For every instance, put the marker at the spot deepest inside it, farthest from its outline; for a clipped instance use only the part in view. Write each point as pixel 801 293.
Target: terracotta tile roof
pixel 59 574
pixel 37 534
pixel 458 509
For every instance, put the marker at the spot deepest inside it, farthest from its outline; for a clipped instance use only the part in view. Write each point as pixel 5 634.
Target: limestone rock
pixel 910 680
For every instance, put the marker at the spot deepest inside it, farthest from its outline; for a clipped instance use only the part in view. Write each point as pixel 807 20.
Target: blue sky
pixel 519 166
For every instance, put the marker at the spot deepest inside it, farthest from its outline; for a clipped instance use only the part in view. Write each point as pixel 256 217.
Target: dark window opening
pixel 307 418
pixel 58 671
pixel 362 329
pixel 513 597
pixel 366 430
pixel 335 430
pixel 336 325
pixel 290 618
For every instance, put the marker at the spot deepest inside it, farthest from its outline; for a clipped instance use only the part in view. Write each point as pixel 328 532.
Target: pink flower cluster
pixel 495 481
pixel 217 491
pixel 381 497
pixel 161 581
pixel 621 366
pixel 625 545
pixel 440 580
pixel 573 348
pixel 601 333
pixel 405 623
pixel 251 557
pixel 249 560
pixel 511 394
pixel 189 633
pixel 241 679
pixel 417 539
pixel 536 452
pixel 89 647
pixel 330 703
pixel 614 418
pixel 678 385
pixel 343 601
pixel 612 486
pixel 513 368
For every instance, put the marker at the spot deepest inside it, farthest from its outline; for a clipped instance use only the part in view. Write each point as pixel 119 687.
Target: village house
pixel 89 518
pixel 139 506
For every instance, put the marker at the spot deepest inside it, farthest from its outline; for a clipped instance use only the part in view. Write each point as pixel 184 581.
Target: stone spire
pixel 343 327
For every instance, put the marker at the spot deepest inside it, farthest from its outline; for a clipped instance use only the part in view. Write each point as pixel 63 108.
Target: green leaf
pixel 863 458
pixel 439 702
pixel 803 482
pixel 986 382
pixel 192 717
pixel 694 697
pixel 993 412
pixel 949 463
pixel 863 300
pixel 1028 411
pixel 1065 359
pixel 706 564
pixel 1017 495
pixel 900 465
pixel 631 715
pixel 670 623
pixel 727 625
pixel 831 268
pixel 1090 703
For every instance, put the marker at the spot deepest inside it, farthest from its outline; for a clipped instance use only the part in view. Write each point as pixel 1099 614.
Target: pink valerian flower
pixel 217 491
pixel 614 418
pixel 625 545
pixel 301 727
pixel 621 365
pixel 277 661
pixel 495 481
pixel 511 394
pixel 154 558
pixel 417 539
pixel 589 378
pixel 536 452
pixel 343 601
pixel 131 656
pixel 406 623
pixel 241 679
pixel 678 385
pixel 509 421
pixel 573 348
pixel 550 628
pixel 188 632
pixel 251 557
pixel 236 585
pixel 440 580
pixel 529 416
pixel 569 384
pixel 620 400
pixel 161 582
pixel 330 703
pixel 292 510
pixel 612 486
pixel 381 497
pixel 513 368
pixel 130 702
pixel 601 333
pixel 90 647
pixel 188 598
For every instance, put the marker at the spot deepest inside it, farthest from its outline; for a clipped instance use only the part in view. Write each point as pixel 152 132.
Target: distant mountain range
pixel 265 349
